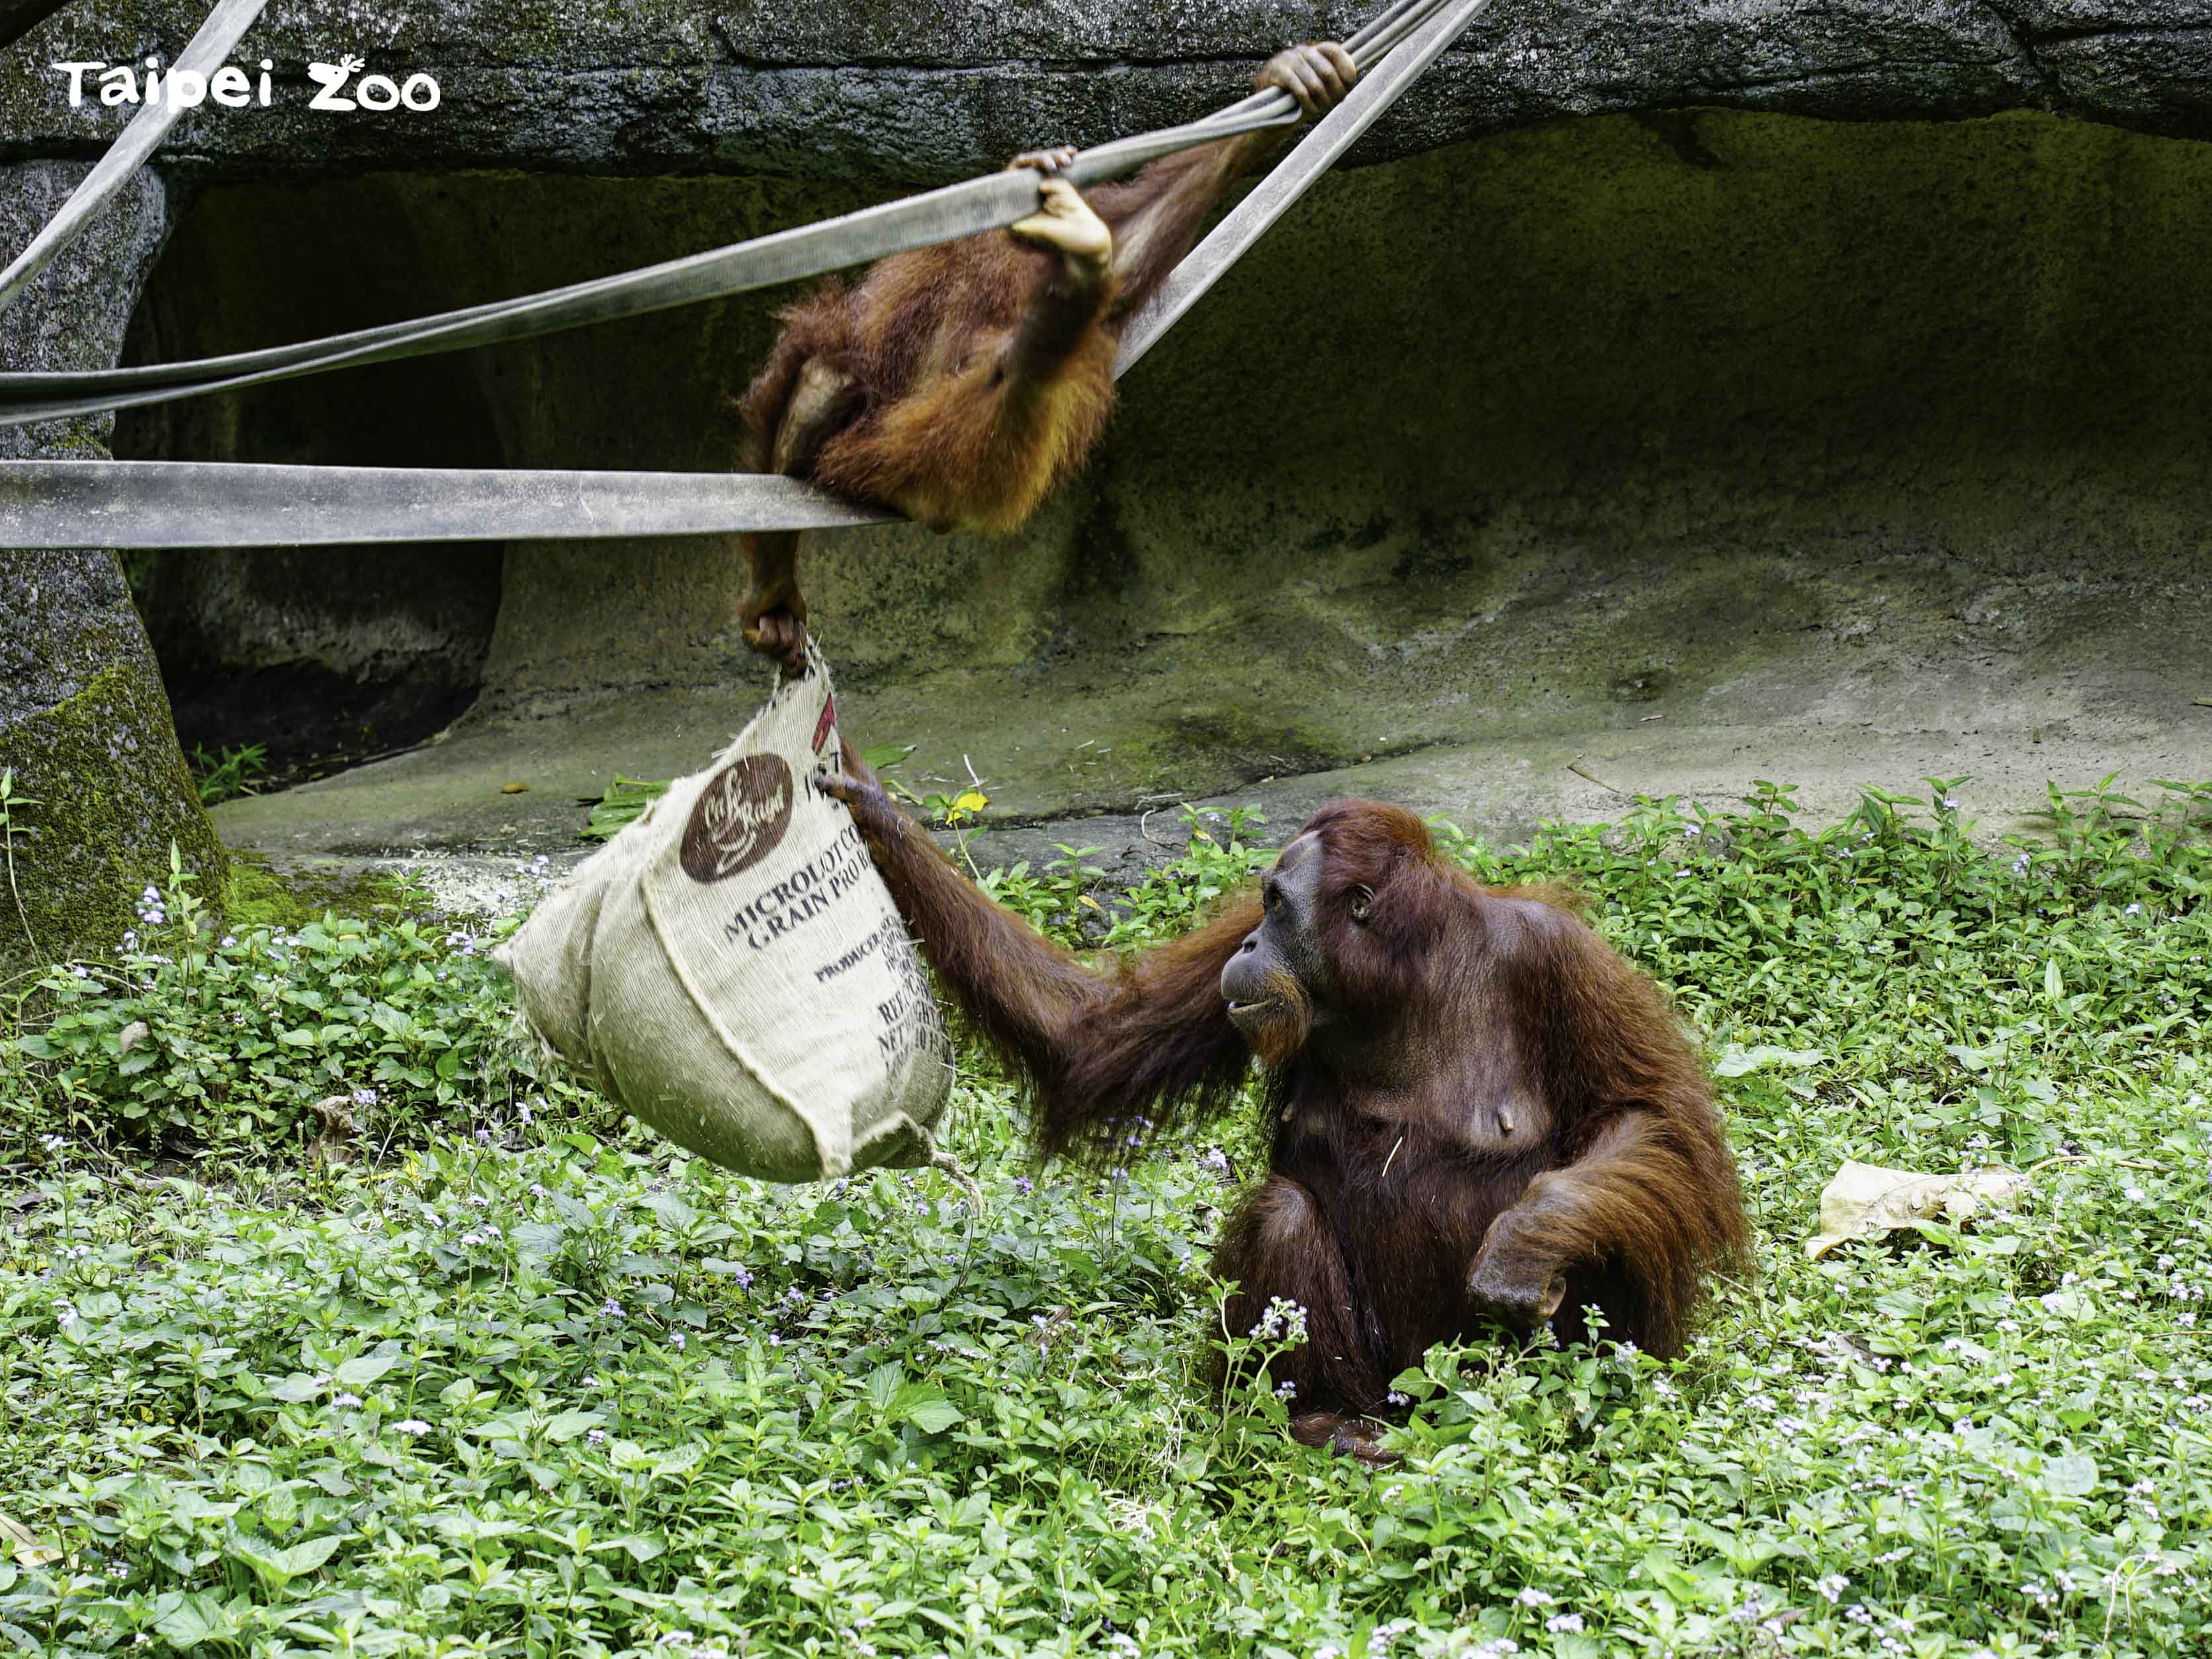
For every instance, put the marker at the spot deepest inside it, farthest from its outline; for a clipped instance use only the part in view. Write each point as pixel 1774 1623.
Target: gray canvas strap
pixel 202 56
pixel 162 504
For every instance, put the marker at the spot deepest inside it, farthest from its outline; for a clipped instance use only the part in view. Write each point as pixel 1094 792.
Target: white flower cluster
pixel 1284 1321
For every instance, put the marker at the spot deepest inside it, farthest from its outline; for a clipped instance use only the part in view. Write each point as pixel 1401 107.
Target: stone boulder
pixel 83 724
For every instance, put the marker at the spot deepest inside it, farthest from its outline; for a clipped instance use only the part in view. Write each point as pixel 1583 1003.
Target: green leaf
pixel 197 1618
pixel 621 806
pixel 278 1567
pixel 936 1417
pixel 359 1373
pixel 569 1425
pixel 305 1558
pixel 2073 1476
pixel 681 1460
pixel 675 1215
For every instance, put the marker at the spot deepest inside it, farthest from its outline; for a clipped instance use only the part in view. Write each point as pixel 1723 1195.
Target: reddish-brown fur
pixel 961 383
pixel 1495 1102
pixel 932 424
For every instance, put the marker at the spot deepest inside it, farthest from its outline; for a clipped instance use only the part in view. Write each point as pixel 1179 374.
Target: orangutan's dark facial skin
pixel 1278 986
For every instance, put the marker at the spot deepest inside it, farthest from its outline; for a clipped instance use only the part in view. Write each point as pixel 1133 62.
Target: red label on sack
pixel 826 725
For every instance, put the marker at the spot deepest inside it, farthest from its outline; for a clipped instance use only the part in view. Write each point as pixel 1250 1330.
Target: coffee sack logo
pixel 740 818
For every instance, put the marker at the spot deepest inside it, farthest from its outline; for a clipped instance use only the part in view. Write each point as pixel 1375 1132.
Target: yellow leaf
pixel 973 800
pixel 1092 902
pixel 29 1552
pixel 1865 1200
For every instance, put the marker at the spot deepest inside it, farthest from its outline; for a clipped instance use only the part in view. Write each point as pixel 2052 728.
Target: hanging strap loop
pixel 954 210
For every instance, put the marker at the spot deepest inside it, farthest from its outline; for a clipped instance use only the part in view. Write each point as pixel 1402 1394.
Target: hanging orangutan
pixel 959 383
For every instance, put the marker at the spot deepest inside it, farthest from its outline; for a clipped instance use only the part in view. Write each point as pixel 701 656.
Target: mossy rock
pixel 263 895
pixel 101 793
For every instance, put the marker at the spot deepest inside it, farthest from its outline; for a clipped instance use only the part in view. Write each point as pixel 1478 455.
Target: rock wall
pixel 83 724
pixel 869 89
pixel 1651 361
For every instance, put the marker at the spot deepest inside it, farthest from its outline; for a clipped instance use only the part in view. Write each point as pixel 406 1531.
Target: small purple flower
pixel 595 1436
pixel 611 1307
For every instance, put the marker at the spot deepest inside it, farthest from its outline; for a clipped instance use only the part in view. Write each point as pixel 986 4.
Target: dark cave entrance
pixel 323 656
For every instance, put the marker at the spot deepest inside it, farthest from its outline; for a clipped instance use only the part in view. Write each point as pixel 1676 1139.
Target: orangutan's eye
pixel 1362 901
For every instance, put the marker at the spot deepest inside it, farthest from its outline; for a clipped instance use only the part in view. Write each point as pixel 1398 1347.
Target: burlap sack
pixel 731 969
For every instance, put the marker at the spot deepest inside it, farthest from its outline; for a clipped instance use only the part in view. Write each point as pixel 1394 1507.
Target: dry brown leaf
pixel 1865 1200
pixel 29 1552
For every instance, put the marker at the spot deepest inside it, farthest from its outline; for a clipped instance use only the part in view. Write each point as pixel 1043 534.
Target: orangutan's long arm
pixel 1108 1054
pixel 1156 216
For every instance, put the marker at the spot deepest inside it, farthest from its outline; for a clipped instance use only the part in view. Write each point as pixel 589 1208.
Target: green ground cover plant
pixel 229 772
pixel 520 1379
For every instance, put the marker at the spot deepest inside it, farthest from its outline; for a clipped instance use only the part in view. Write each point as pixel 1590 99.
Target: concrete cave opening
pixel 1775 425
